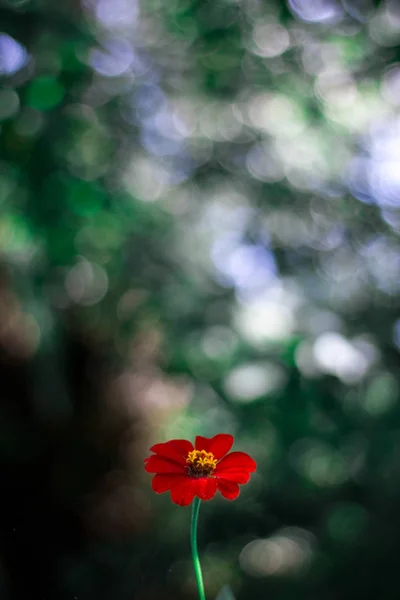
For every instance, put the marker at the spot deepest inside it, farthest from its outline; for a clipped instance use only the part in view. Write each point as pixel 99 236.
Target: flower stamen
pixel 200 463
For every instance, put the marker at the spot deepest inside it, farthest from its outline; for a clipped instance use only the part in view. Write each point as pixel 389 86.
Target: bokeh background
pixel 199 233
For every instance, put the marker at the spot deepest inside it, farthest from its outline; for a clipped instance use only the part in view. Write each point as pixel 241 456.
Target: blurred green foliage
pixel 199 232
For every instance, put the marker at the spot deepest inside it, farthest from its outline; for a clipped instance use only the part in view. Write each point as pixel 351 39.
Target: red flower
pixel 201 470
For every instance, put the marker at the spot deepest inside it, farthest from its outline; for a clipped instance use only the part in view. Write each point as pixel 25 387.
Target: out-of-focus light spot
pixel 376 178
pixel 44 93
pixel 392 217
pixel 165 122
pixel 390 86
pixel 289 551
pixel 13 56
pixel 219 121
pixel 184 117
pixel 303 159
pixel 396 334
pixel 142 179
pixel 9 104
pixel 227 207
pixel 16 238
pixel 270 40
pixel 317 321
pixel 346 522
pixel 319 462
pixel 263 164
pixel 382 169
pixel 186 425
pixel 349 297
pixel 368 347
pixel 158 137
pixel 29 123
pixel 357 179
pixel 383 262
pixel 88 154
pixel 161 396
pixel 286 228
pixel 317 57
pixel 129 303
pixel 305 179
pixel 121 14
pixel 382 394
pixel 219 342
pixel 147 100
pixel 263 320
pixel 385 182
pixel 178 202
pixel 114 59
pixel 357 116
pixel 248 267
pixel 254 380
pixel 326 236
pixel 342 265
pixel 317 11
pixel 384 26
pixel 337 88
pixel 98 238
pixel 271 316
pixel 358 9
pixel 225 593
pixel 86 283
pixel 336 355
pixel 103 89
pixel 276 114
pixel 305 360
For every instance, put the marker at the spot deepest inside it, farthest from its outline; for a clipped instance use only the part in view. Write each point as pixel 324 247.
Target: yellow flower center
pixel 200 463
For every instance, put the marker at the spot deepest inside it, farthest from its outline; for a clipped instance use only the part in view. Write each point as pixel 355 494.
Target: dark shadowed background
pixel 199 233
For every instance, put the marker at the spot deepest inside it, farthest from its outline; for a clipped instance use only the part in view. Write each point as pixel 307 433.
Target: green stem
pixel 195 553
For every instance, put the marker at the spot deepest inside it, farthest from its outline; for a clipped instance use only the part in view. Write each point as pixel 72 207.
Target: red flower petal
pixel 203 487
pixel 166 481
pixel 228 489
pixel 235 461
pixel 219 445
pixel 176 450
pixel 158 464
pixel 235 476
pixel 206 487
pixel 184 493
